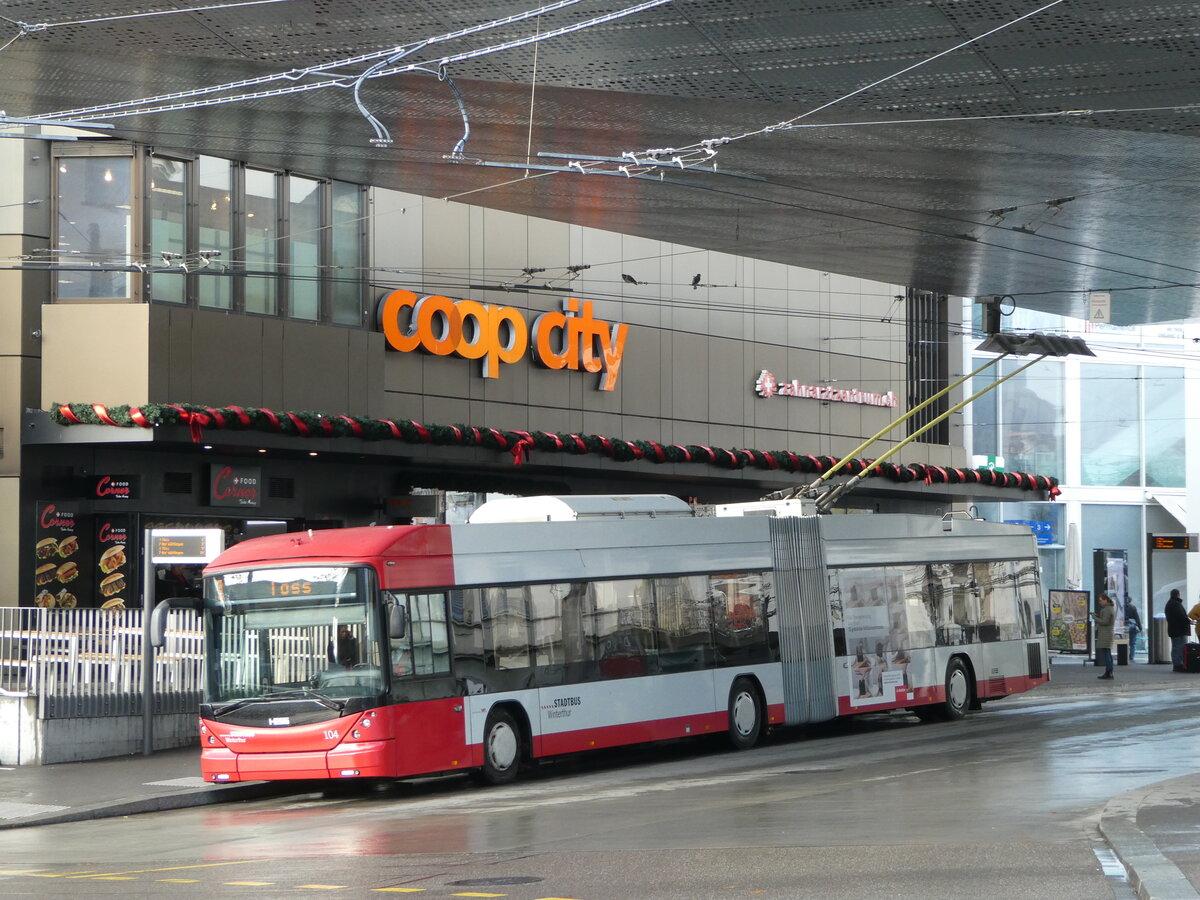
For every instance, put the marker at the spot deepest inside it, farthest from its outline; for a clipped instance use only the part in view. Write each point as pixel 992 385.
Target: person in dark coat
pixel 1105 618
pixel 1133 625
pixel 344 651
pixel 1179 628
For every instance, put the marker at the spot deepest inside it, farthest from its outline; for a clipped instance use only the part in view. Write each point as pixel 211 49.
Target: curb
pixel 1153 876
pixel 253 790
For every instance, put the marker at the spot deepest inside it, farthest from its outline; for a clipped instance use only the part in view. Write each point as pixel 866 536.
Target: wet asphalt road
pixel 1003 804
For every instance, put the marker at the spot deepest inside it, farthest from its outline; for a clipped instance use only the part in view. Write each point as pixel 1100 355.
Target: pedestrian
pixel 1179 627
pixel 1194 615
pixel 1105 618
pixel 344 650
pixel 1133 625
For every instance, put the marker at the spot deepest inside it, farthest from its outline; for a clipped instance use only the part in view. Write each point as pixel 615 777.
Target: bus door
pixel 427 699
pixel 1000 629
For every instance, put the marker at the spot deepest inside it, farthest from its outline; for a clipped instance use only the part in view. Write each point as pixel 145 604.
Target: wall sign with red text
pixel 234 486
pixel 62 574
pixel 116 551
pixel 115 487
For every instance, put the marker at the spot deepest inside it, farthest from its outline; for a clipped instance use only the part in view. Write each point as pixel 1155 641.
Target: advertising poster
pixel 62 576
pixel 1068 623
pixel 877 668
pixel 115 554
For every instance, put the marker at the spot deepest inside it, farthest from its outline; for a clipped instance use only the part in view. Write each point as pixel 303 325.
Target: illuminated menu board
pixel 185 545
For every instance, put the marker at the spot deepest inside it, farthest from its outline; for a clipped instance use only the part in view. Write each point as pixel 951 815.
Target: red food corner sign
pixel 234 486
pixel 115 487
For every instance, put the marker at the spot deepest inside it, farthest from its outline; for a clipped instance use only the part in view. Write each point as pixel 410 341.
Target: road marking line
pixel 251 883
pixel 235 862
pixel 55 875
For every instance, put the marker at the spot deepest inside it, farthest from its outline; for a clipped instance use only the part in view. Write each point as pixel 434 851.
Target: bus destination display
pixel 1172 542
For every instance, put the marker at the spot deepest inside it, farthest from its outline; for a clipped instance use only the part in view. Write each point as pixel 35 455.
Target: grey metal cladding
pixel 876 540
pixel 805 622
pixel 591 549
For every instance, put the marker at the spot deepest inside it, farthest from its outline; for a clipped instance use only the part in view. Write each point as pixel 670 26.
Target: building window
pixel 94 227
pixel 304 248
pixel 168 229
pixel 1164 419
pixel 347 241
pixel 260 252
pixel 214 215
pixel 1109 432
pixel 1022 420
pixel 210 233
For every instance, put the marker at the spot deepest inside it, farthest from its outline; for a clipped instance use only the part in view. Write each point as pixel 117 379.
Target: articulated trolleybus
pixel 388 652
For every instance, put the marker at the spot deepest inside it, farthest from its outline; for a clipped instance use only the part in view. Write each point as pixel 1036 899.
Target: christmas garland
pixel 521 443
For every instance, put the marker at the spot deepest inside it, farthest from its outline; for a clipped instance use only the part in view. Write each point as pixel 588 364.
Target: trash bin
pixel 1123 653
pixel 1160 644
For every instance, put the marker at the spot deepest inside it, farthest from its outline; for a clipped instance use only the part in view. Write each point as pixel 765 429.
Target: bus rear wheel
pixel 502 748
pixel 959 692
pixel 745 714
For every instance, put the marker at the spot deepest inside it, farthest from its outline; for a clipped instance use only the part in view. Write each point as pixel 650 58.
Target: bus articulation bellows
pixel 389 652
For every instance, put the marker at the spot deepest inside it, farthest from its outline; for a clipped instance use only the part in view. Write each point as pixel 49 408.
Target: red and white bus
pixel 388 652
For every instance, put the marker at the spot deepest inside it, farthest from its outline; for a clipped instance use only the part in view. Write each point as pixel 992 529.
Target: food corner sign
pixel 571 339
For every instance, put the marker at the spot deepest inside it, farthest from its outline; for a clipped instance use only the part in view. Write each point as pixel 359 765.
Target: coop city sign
pixel 571 339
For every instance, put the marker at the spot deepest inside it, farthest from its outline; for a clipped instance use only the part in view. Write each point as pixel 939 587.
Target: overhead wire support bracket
pixel 1002 344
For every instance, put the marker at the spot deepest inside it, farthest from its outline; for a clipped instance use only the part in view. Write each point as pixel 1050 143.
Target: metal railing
pixel 89 662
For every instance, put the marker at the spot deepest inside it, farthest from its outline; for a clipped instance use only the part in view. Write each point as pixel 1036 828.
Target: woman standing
pixel 1105 617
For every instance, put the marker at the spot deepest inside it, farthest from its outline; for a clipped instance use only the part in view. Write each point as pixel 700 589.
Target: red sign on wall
pixel 115 487
pixel 234 486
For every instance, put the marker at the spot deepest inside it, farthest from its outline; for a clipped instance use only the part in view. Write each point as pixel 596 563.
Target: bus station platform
pixel 1144 827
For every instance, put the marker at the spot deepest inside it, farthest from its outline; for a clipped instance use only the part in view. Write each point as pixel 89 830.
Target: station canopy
pixel 1039 149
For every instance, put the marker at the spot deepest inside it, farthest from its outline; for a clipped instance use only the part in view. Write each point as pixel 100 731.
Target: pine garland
pixel 306 423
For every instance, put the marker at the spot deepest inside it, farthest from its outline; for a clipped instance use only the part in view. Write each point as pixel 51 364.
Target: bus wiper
pixel 237 704
pixel 310 694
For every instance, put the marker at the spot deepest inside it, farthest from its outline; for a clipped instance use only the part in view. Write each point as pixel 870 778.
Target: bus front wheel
pixel 501 748
pixel 745 714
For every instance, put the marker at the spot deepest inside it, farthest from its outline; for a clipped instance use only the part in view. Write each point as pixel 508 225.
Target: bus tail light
pixel 348 773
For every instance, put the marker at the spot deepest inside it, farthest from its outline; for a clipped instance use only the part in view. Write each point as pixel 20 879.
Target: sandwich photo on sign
pixel 112 559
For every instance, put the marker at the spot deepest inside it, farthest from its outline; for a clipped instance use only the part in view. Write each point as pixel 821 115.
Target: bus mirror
pixel 397 620
pixel 158 618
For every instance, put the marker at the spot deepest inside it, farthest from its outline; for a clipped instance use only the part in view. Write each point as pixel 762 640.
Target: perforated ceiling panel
pixel 962 206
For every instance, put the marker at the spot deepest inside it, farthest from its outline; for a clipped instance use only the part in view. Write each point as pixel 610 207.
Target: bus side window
pixel 425 649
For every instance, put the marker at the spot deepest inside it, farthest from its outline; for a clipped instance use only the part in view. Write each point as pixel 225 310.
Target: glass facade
pixel 1166 439
pixel 210 233
pixel 304 248
pixel 346 254
pixel 214 208
pixel 1023 419
pixel 260 252
pixel 168 212
pixel 94 226
pixel 1109 432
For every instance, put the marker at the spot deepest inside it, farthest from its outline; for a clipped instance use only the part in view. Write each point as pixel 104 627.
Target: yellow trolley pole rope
pixel 811 489
pixel 826 500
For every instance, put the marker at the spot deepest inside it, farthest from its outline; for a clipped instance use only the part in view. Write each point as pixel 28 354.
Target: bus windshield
pixel 296 632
